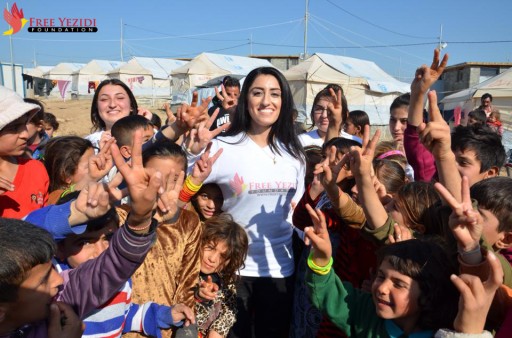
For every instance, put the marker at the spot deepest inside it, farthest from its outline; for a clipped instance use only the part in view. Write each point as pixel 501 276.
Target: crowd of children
pixel 247 229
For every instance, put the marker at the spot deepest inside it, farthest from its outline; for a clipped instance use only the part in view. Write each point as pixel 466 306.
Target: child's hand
pixel 435 135
pixel 466 223
pixel 335 109
pixel 208 289
pixel 203 167
pixel 333 170
pixel 101 163
pixel 316 187
pixel 5 185
pixel 318 237
pixel 170 115
pixel 181 312
pixel 63 322
pixel 145 112
pixel 361 158
pixel 476 297
pixel 142 187
pixel 188 116
pixel 201 136
pixel 227 102
pixel 425 77
pixel 105 136
pixel 168 197
pixel 401 233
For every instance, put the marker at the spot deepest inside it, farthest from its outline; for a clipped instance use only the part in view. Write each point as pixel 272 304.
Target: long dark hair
pixel 282 130
pixel 97 122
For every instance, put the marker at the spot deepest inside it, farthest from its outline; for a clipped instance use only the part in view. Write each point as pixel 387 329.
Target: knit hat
pixel 13 107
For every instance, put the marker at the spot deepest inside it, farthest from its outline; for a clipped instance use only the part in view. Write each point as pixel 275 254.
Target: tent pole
pixel 306 18
pixel 122 58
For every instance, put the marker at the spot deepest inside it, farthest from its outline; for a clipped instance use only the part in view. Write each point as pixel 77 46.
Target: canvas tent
pixel 147 77
pixel 500 87
pixel 366 86
pixel 62 75
pixel 207 66
pixel 87 78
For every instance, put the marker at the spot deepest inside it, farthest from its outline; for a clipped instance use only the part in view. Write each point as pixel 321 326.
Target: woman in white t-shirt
pixel 261 172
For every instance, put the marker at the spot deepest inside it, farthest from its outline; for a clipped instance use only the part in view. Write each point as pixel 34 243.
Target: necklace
pixel 265 150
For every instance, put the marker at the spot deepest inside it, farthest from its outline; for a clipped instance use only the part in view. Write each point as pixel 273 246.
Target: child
pixel 23 182
pixel 208 201
pixel 124 128
pixel 477 117
pixel 50 123
pixel 71 164
pixel 37 136
pixel 494 122
pixel 224 246
pixel 356 120
pixel 411 293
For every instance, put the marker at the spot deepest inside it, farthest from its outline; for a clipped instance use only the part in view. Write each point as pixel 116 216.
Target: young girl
pixel 411 294
pixel 23 182
pixel 208 201
pixel 224 246
pixel 67 163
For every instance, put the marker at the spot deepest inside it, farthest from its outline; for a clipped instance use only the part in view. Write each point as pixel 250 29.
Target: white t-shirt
pixel 258 188
pixel 311 138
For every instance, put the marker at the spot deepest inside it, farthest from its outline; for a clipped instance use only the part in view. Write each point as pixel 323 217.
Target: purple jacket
pixel 419 157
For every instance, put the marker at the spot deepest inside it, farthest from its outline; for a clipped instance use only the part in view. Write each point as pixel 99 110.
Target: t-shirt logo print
pixel 238 185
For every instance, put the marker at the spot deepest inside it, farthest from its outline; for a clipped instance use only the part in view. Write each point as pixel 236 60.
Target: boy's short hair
pixel 483 141
pixel 342 144
pixel 359 118
pixel 39 116
pixel 478 115
pixel 494 194
pixel 23 246
pixel 124 128
pixel 163 149
pixel 230 81
pixel 50 119
pixel 156 121
pixel 13 107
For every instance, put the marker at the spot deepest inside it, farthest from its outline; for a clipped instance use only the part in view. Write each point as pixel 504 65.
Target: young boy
pixel 124 129
pixel 23 182
pixel 37 137
pixel 51 125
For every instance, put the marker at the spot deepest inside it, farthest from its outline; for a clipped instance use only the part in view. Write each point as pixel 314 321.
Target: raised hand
pixel 335 108
pixel 101 163
pixel 361 158
pixel 168 112
pixel 145 112
pixel 435 135
pixel 208 289
pixel 203 166
pixel 401 233
pixel 226 101
pixel 465 223
pixel 476 297
pixel 426 76
pixel 201 136
pixel 63 322
pixel 105 136
pixel 143 188
pixel 188 116
pixel 168 198
pixel 318 236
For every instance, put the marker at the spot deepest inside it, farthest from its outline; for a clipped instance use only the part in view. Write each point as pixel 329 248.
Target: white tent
pixel 366 86
pixel 93 72
pixel 499 86
pixel 207 66
pixel 62 74
pixel 148 77
pixel 38 71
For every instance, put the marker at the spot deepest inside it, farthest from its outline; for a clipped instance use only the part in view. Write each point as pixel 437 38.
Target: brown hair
pixel 224 228
pixel 415 201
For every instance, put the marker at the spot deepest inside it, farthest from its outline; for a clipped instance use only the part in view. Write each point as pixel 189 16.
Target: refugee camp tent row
pixel 148 78
pixel 86 79
pixel 206 67
pixel 499 86
pixel 366 86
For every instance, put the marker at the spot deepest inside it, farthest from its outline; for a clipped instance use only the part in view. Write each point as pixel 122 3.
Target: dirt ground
pixel 74 116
